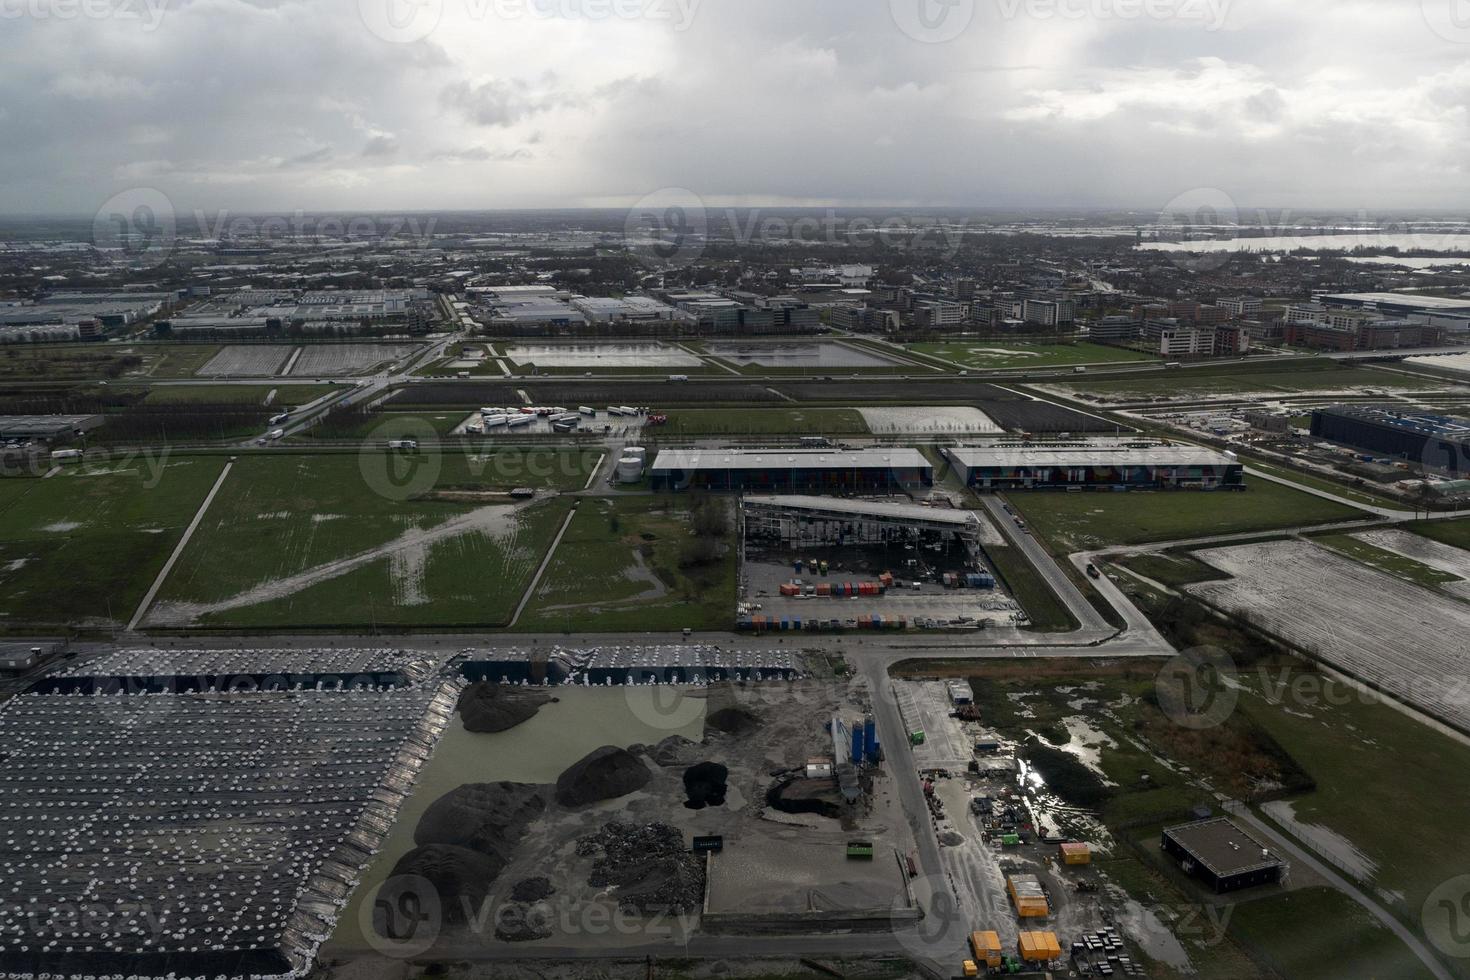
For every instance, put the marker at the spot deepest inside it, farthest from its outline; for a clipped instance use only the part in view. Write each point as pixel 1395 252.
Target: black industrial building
pixel 1222 855
pixel 792 470
pixel 1437 441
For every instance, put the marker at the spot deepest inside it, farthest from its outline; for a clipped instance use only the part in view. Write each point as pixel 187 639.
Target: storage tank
pixel 870 739
pixel 630 469
pixel 637 451
pixel 857 744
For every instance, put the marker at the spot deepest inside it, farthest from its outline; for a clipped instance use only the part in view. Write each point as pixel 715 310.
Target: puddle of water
pixel 1154 937
pixel 1336 849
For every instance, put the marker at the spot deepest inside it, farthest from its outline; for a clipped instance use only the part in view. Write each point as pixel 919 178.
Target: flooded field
pixel 593 356
pixel 814 355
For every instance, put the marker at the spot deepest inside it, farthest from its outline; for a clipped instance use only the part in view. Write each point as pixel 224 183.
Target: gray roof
pixel 868 508
pixel 1117 456
pixel 1222 847
pixel 804 459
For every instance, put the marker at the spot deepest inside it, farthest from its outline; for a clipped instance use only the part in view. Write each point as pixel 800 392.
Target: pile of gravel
pixel 649 865
pixel 489 708
pixel 460 880
pixel 603 774
pixel 532 890
pixel 670 751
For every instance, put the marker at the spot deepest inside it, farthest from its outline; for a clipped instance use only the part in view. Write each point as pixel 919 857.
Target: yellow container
pixel 1076 854
pixel 986 947
pixel 971 969
pixel 1039 947
pixel 1027 896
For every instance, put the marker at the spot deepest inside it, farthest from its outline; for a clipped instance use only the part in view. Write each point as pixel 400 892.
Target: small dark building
pixel 1222 855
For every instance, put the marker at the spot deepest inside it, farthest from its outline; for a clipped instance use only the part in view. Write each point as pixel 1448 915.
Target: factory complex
pixel 1097 465
pixel 1437 442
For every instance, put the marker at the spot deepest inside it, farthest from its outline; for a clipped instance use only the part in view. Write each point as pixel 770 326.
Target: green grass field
pixel 1005 355
pixel 765 421
pixel 391 425
pixel 82 548
pixel 622 567
pixel 1372 765
pixel 1073 522
pixel 284 516
pixel 1309 934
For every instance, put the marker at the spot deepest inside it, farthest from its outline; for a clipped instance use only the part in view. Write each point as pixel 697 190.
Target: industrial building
pixel 1437 441
pixel 799 520
pixel 1097 465
pixel 1222 855
pixel 792 470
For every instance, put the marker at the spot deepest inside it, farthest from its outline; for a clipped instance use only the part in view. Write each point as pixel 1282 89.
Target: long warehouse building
pixel 1097 466
pixel 1437 441
pixel 792 470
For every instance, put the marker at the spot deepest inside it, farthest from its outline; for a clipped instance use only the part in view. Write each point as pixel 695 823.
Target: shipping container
pixel 1039 947
pixel 1027 895
pixel 985 947
pixel 1076 854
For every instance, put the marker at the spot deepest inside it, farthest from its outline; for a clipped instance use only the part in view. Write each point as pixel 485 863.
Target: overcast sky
pixel 419 104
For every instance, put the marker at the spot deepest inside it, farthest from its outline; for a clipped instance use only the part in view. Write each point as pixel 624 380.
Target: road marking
pixel 291 361
pixel 168 566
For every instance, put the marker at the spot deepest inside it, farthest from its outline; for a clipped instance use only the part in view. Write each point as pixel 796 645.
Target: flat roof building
pixel 792 470
pixel 1096 465
pixel 1222 855
pixel 45 426
pixel 1436 441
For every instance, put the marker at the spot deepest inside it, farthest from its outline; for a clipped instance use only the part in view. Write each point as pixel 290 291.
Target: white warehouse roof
pixel 1104 455
pixel 803 459
pixel 868 508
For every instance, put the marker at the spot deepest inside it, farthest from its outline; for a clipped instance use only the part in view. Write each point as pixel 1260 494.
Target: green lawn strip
pixel 1386 561
pixel 287 396
pixel 1073 522
pixel 1174 569
pixel 1241 377
pixel 631 564
pixel 84 546
pixel 1357 495
pixel 765 421
pixel 389 425
pixel 1048 613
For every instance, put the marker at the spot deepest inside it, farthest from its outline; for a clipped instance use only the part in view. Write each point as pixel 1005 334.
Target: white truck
pixel 1079 370
pixel 403 444
pixel 276 434
pixel 65 455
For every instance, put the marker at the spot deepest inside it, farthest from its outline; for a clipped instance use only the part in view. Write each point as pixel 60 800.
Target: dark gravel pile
pixel 603 774
pixel 704 785
pixel 490 818
pixel 532 890
pixel 650 866
pixel 523 923
pixel 489 708
pixel 670 751
pixel 461 880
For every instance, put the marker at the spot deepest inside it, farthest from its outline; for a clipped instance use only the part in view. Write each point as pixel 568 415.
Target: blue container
pixel 870 739
pixel 857 744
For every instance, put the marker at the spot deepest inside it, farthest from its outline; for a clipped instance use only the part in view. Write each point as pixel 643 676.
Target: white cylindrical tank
pixel 630 469
pixel 635 452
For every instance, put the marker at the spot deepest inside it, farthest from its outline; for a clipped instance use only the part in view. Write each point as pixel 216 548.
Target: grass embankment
pixel 1255 375
pixel 640 564
pixel 1004 355
pixel 765 421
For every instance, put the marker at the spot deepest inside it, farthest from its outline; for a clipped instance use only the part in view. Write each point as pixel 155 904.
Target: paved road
pixel 1041 560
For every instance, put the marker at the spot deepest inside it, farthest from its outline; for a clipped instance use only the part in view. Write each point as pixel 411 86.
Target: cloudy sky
pixel 416 104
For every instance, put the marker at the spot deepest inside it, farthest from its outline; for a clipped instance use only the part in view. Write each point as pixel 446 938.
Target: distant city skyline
pixel 383 105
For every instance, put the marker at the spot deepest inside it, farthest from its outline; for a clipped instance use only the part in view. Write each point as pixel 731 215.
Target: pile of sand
pixel 489 708
pixel 603 774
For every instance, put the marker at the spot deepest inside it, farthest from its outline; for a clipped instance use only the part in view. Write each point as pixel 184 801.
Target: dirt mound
pixel 603 774
pixel 649 865
pixel 490 818
pixel 801 795
pixel 460 880
pixel 733 720
pixel 670 750
pixel 523 923
pixel 488 708
pixel 704 785
pixel 532 890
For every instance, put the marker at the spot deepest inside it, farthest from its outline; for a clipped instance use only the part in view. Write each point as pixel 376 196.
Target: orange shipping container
pixel 985 946
pixel 1076 854
pixel 1039 947
pixel 1029 899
